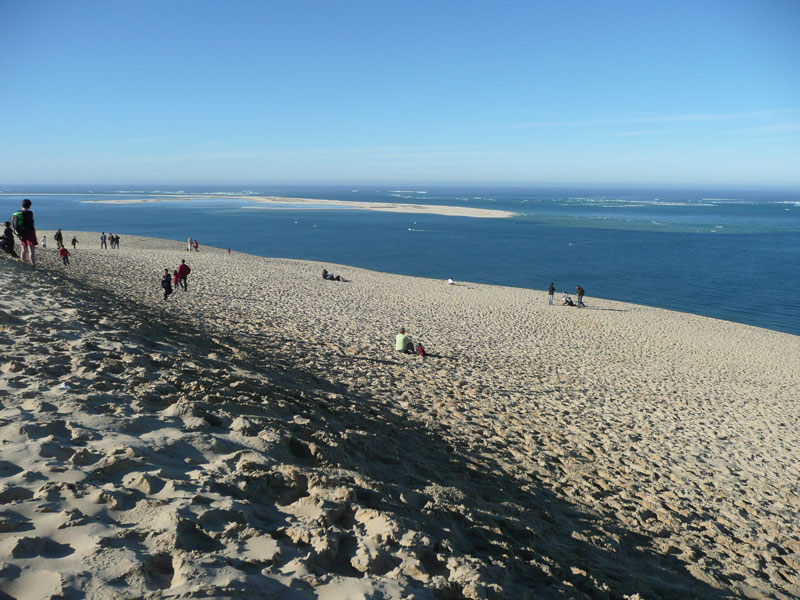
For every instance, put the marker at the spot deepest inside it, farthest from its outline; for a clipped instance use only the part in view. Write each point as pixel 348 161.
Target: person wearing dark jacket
pixel 26 231
pixel 7 241
pixel 551 292
pixel 166 283
pixel 59 238
pixel 580 292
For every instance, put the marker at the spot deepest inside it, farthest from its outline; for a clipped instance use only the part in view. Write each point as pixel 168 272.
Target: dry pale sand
pixel 258 437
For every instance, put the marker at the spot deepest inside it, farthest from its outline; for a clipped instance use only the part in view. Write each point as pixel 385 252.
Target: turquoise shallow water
pixel 728 254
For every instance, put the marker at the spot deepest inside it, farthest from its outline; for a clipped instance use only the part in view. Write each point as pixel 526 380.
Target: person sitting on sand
pixel 403 343
pixel 566 300
pixel 331 276
pixel 166 283
pixel 7 241
pixel 450 281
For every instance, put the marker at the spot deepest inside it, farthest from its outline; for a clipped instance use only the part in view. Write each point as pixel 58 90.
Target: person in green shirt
pixel 403 343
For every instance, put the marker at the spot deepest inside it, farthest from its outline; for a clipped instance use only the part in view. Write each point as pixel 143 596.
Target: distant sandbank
pixel 431 209
pixel 278 203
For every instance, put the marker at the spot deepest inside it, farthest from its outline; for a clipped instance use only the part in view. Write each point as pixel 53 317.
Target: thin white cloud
pixel 695 118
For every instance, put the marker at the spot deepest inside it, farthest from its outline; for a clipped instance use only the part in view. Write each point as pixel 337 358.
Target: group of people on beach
pixel 193 245
pixel 566 299
pixel 23 227
pixel 179 277
pixel 105 239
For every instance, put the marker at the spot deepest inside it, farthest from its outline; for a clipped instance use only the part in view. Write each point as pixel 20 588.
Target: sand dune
pixel 257 436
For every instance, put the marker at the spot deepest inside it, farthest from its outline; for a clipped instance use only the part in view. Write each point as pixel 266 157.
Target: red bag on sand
pixel 420 350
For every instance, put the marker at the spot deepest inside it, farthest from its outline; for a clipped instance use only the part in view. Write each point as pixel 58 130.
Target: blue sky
pixel 239 92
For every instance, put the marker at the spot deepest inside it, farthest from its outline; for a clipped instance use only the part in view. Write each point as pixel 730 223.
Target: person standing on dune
pixel 551 291
pixel 183 273
pixel 23 226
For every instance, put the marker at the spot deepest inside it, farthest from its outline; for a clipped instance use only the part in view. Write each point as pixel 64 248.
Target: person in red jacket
pixel 64 254
pixel 183 273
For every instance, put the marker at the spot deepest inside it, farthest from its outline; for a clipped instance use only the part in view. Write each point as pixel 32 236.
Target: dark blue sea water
pixel 733 255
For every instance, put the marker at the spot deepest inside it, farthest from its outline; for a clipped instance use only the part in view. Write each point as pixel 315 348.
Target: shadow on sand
pixel 530 541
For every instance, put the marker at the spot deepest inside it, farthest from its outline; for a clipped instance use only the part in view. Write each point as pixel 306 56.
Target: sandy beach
pixel 258 436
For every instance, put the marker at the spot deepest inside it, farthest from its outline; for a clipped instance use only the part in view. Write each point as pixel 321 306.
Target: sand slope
pixel 257 436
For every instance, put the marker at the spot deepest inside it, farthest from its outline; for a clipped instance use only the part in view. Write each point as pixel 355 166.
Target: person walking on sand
pixel 579 291
pixel 74 242
pixel 64 254
pixel 59 238
pixel 23 225
pixel 103 241
pixel 166 283
pixel 183 273
pixel 551 291
pixel 403 343
pixel 7 241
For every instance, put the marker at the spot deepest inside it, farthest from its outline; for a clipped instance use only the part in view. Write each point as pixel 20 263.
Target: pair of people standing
pixel 192 245
pixel 179 277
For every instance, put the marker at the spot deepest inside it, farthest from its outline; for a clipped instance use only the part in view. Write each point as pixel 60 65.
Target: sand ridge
pixel 259 435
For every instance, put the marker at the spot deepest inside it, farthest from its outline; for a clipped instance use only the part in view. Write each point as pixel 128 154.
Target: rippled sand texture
pixel 257 436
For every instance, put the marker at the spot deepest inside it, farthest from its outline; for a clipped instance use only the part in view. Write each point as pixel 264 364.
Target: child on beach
pixel 22 224
pixel 166 283
pixel 74 242
pixel 44 241
pixel 7 241
pixel 403 343
pixel 64 254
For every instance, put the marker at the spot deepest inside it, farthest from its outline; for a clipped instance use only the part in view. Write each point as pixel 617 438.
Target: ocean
pixel 728 254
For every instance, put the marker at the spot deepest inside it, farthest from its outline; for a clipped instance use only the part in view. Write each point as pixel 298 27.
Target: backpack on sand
pixel 420 350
